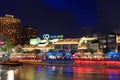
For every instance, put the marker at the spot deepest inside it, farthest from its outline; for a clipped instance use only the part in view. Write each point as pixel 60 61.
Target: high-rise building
pixel 27 33
pixel 9 28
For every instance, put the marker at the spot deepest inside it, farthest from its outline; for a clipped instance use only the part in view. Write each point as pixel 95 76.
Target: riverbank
pixel 100 64
pixel 71 62
pixel 11 64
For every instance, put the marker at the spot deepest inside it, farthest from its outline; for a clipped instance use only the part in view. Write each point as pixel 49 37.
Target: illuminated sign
pixel 47 36
pixel 34 41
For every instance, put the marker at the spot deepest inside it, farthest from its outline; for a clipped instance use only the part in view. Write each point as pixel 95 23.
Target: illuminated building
pixel 31 48
pixel 9 28
pixel 27 33
pixel 67 44
pixel 85 42
pixel 118 42
pixel 42 45
pixel 94 45
pixel 107 41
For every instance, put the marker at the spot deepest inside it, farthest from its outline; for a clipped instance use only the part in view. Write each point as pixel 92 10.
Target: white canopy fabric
pixel 112 53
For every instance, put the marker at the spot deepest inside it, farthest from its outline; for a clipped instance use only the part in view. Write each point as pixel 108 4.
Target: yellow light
pixel 10 74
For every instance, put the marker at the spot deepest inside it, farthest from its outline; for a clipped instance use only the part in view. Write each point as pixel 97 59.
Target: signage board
pixel 47 36
pixel 34 41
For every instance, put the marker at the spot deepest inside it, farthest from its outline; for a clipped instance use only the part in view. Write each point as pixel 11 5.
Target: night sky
pixel 73 18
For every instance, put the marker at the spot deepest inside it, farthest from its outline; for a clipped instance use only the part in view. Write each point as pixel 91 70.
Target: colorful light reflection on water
pixel 37 72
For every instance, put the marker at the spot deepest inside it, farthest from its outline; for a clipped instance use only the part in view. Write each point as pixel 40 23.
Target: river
pixel 42 72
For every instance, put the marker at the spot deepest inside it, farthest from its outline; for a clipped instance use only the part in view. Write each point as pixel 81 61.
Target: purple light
pixel 73 55
pixel 1 42
pixel 38 69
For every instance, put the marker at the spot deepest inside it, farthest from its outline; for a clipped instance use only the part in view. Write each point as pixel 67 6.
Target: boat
pixel 29 61
pixel 11 64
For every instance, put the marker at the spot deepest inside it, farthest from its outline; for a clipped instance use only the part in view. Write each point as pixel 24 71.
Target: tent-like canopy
pixel 87 53
pixel 111 53
pixel 118 53
pixel 49 53
pixel 98 53
pixel 68 54
pixel 59 54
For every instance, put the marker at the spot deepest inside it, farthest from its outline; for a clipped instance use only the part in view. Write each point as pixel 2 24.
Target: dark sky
pixel 73 18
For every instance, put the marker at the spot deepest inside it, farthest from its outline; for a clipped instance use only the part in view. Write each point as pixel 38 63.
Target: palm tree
pixel 9 45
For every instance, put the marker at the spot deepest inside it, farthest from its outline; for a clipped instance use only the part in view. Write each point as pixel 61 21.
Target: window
pixel 104 41
pixel 58 46
pixel 74 46
pixel 65 46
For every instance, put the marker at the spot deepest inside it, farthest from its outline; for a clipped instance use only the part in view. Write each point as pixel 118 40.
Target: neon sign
pixel 47 36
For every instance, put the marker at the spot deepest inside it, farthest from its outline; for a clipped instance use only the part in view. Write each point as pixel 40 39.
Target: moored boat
pixel 29 61
pixel 11 64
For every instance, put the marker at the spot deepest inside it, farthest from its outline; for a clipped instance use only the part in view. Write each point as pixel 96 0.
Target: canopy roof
pixel 68 41
pixel 112 53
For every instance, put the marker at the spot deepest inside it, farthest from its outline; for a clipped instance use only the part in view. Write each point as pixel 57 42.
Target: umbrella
pixel 49 53
pixel 112 53
pixel 118 53
pixel 59 54
pixel 68 54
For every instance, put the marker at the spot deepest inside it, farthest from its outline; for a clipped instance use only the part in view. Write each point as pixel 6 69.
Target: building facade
pixel 67 44
pixel 118 43
pixel 94 46
pixel 107 42
pixel 85 42
pixel 27 33
pixel 9 28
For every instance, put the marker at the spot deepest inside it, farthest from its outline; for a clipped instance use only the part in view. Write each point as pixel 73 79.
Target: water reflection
pixel 37 72
pixel 10 75
pixel 113 74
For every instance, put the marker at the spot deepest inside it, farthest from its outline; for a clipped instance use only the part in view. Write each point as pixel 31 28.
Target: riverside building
pixel 107 41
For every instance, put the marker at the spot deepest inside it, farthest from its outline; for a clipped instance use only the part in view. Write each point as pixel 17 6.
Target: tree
pixel 1 49
pixel 9 45
pixel 18 48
